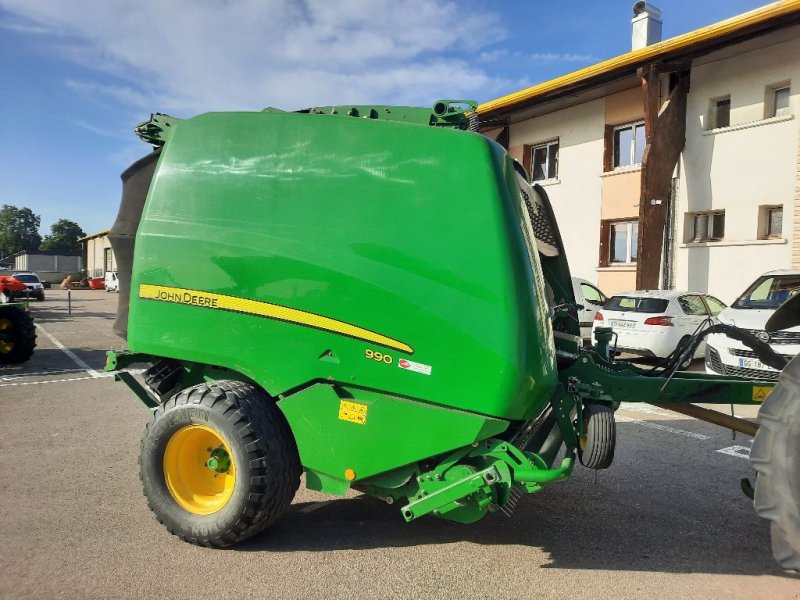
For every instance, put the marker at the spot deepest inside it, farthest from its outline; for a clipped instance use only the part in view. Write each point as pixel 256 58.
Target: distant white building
pixel 635 204
pixel 51 267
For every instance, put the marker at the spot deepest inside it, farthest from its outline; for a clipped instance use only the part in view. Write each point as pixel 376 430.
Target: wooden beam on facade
pixel 504 138
pixel 665 129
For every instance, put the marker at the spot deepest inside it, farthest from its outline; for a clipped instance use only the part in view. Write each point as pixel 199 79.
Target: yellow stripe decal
pixel 265 309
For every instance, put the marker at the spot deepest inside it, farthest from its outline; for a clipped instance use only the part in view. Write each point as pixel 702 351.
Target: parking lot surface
pixel 667 520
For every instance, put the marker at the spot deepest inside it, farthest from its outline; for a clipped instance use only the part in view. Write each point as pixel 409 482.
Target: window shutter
pixel 604 235
pixel 608 148
pixel 526 159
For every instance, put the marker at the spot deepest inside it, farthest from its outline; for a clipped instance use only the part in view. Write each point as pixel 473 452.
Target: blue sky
pixel 78 76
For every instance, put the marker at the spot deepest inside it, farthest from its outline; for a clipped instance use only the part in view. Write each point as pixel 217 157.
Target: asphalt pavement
pixel 667 520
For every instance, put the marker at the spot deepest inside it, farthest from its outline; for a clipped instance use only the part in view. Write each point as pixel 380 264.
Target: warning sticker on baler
pixel 353 412
pixel 760 392
pixel 410 365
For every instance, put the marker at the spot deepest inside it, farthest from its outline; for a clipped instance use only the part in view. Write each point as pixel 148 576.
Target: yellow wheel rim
pixel 6 328
pixel 199 470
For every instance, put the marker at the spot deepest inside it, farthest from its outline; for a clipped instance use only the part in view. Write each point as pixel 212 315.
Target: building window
pixel 629 142
pixel 108 262
pixel 720 113
pixel 706 226
pixel 776 100
pixel 770 222
pixel 622 242
pixel 544 161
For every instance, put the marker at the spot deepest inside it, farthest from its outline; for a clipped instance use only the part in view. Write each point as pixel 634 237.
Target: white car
pixel 652 323
pixel 750 311
pixel 111 281
pixel 592 299
pixel 32 282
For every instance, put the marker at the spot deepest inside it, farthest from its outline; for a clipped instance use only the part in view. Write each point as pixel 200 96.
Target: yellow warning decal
pixel 353 412
pixel 760 392
pixel 265 309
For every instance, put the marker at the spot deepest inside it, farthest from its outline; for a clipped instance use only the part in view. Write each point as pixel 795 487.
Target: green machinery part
pixel 411 362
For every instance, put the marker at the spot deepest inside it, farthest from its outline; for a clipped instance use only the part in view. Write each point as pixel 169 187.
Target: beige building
pixel 674 165
pixel 97 254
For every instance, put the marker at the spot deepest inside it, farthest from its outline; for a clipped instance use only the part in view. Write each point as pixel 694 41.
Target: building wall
pixel 575 194
pixel 49 267
pixel 95 256
pixel 620 188
pixel 751 163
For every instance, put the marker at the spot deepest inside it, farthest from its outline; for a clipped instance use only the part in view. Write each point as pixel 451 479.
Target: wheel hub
pixel 220 461
pixel 199 470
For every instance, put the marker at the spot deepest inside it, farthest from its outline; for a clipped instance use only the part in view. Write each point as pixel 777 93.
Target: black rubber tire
pixel 688 362
pixel 262 447
pixel 776 457
pixel 596 447
pixel 23 335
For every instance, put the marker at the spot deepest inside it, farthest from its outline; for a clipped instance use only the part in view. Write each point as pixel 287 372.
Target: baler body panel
pixel 271 242
pixel 373 433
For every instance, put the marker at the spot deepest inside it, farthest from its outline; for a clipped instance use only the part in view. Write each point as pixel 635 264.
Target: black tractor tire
pixel 776 458
pixel 263 454
pixel 596 446
pixel 17 335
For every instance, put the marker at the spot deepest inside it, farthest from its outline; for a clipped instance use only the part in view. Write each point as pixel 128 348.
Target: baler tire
pixel 265 465
pixel 20 324
pixel 775 456
pixel 596 447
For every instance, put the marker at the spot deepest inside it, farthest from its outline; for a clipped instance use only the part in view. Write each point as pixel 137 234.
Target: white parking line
pixel 736 450
pixel 37 373
pixel 75 358
pixel 659 426
pixel 648 409
pixel 95 376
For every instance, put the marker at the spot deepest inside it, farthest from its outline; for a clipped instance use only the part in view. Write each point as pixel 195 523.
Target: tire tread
pixel 776 443
pixel 269 444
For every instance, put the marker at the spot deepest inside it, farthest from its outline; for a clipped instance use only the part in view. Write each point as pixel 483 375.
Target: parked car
pixel 111 281
pixel 35 288
pixel 592 299
pixel 652 323
pixel 750 311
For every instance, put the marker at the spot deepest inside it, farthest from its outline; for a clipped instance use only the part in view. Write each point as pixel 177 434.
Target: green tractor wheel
pixel 776 458
pixel 218 463
pixel 17 335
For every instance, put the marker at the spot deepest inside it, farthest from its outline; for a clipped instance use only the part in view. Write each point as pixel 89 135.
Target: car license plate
pixel 623 324
pixel 753 363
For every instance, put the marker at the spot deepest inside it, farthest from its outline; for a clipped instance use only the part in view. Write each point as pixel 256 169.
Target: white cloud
pixel 561 57
pixel 191 56
pixel 25 28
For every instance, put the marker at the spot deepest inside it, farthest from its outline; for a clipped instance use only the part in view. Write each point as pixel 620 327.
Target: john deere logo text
pixel 187 298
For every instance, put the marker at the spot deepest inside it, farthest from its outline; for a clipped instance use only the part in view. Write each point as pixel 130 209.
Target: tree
pixel 19 230
pixel 63 237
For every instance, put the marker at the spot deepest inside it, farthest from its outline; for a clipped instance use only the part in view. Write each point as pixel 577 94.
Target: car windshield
pixel 639 304
pixel 27 278
pixel 769 292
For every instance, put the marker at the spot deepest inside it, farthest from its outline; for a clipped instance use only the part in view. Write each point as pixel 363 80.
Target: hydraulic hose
pixel 763 351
